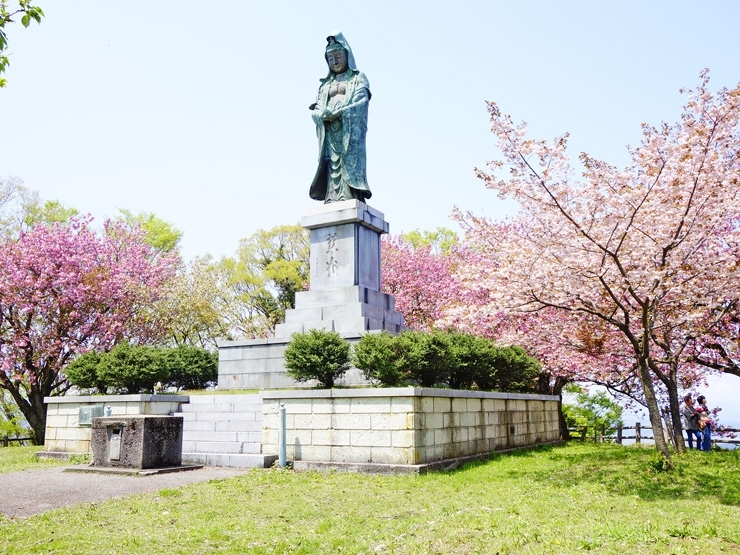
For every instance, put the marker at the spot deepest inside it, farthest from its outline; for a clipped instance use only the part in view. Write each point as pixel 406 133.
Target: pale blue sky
pixel 198 111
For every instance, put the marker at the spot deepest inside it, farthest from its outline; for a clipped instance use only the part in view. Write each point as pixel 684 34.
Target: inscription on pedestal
pixel 332 262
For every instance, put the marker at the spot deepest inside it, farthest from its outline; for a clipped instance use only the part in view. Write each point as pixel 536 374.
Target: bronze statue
pixel 340 115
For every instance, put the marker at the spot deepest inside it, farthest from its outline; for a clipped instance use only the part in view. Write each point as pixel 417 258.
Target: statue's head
pixel 338 48
pixel 336 57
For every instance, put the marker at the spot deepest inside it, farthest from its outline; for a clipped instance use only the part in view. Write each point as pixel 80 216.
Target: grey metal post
pixel 283 449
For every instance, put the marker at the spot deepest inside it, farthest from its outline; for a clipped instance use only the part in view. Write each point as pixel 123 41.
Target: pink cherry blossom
pixel 65 289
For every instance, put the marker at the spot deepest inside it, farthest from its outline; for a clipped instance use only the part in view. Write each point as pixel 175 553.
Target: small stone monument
pixel 141 441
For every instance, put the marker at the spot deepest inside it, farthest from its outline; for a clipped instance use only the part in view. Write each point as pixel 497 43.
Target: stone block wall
pixel 405 426
pixel 64 434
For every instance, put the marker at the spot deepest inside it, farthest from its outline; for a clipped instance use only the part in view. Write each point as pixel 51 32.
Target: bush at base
pixel 445 359
pixel 317 355
pixel 137 368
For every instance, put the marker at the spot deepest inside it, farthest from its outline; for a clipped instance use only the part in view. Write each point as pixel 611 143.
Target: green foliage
pixel 12 423
pixel 591 410
pixel 133 368
pixel 441 240
pixel 473 362
pixel 190 367
pixel 83 372
pixel 382 359
pixel 429 358
pixel 317 355
pixel 571 499
pixel 21 209
pixel 515 370
pixel 259 284
pixel 445 359
pixel 50 212
pixel 275 262
pixel 160 234
pixel 137 369
pixel 28 13
pixel 658 463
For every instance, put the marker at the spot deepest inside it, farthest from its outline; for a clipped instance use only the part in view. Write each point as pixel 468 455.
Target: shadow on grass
pixel 626 470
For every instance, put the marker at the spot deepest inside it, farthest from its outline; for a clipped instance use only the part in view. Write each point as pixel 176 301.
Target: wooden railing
pixel 617 435
pixel 5 440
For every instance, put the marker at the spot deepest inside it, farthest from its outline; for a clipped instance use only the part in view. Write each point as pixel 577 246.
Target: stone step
pixel 221 426
pixel 240 437
pixel 222 407
pixel 234 460
pixel 220 416
pixel 189 446
pixel 235 398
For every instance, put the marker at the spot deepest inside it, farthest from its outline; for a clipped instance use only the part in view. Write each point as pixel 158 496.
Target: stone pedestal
pixel 345 287
pixel 345 296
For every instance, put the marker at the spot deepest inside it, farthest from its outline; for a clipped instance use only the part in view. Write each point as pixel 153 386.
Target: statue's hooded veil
pixel 339 38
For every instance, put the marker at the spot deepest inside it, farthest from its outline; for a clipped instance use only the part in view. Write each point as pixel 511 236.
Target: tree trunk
pixel 545 387
pixel 655 420
pixel 675 409
pixel 33 410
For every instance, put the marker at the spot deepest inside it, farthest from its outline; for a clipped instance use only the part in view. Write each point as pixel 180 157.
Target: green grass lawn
pixel 16 458
pixel 571 499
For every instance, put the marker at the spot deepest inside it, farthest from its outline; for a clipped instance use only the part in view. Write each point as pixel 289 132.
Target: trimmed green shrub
pixel 190 367
pixel 445 359
pixel 317 355
pixel 382 359
pixel 137 369
pixel 514 370
pixel 429 356
pixel 83 372
pixel 472 356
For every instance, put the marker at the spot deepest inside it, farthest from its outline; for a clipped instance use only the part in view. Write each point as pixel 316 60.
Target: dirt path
pixel 32 492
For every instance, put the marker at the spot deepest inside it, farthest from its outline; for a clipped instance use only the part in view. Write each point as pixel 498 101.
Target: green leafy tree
pixel 50 212
pixel 441 240
pixel 27 13
pixel 591 410
pixel 12 423
pixel 317 355
pixel 160 234
pixel 196 306
pixel 259 284
pixel 22 208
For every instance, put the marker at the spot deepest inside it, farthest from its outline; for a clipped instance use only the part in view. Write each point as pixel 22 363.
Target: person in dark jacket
pixel 691 422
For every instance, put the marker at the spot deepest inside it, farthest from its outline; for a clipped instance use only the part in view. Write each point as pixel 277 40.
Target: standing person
pixel 340 115
pixel 706 440
pixel 691 422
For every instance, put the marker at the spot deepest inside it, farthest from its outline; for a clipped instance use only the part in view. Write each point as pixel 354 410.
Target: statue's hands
pixel 328 115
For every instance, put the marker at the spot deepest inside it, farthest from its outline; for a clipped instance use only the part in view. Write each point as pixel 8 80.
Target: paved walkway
pixel 31 492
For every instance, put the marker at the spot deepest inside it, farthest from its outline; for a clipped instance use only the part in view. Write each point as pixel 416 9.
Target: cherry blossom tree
pixel 420 279
pixel 651 250
pixel 65 289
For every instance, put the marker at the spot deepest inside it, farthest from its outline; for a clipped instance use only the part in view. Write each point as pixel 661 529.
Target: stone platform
pixel 345 296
